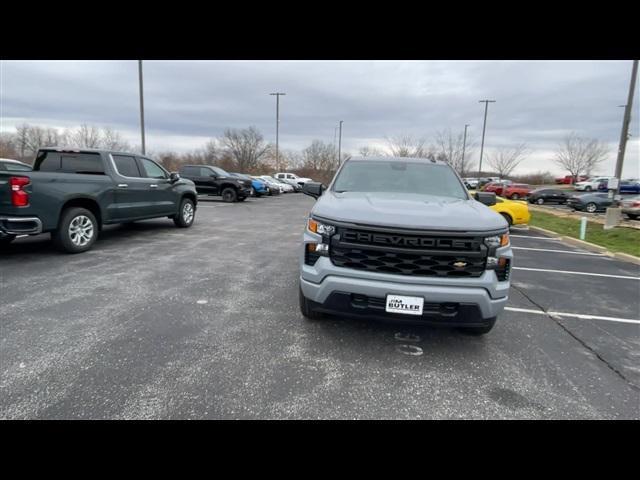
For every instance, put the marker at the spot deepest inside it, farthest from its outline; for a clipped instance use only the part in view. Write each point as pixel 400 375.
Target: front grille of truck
pixel 416 255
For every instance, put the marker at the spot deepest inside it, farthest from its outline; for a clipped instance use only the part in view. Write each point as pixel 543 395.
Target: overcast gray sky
pixel 187 102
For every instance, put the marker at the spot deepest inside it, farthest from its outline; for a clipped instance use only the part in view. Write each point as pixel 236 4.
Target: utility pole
pixel 141 105
pixel 464 144
pixel 624 134
pixel 277 94
pixel 340 144
pixel 484 127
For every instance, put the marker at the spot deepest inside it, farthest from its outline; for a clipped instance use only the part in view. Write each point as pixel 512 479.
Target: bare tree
pixel 85 136
pixel 408 146
pixel 368 151
pixel 505 160
pixel 579 155
pixel 8 145
pixel 113 140
pixel 320 156
pixel 247 146
pixel 450 148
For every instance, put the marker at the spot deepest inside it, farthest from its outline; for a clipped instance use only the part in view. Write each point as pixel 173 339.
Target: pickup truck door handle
pixel 153 186
pixel 122 185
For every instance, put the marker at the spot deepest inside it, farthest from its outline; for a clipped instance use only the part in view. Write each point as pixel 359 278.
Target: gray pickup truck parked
pixel 73 193
pixel 402 239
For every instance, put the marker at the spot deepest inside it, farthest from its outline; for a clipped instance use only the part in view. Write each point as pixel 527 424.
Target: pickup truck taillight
pixel 19 198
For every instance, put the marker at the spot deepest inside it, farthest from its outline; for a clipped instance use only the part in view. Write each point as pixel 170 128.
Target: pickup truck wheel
pixel 306 309
pixel 186 214
pixel 77 231
pixel 229 195
pixel 6 239
pixel 480 330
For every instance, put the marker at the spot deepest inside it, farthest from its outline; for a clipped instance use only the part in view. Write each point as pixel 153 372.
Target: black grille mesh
pixel 408 263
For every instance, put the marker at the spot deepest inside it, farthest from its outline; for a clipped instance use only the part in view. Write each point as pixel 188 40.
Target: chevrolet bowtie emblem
pixel 460 264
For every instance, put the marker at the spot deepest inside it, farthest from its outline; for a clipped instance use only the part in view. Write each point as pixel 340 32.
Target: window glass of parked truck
pixel 400 177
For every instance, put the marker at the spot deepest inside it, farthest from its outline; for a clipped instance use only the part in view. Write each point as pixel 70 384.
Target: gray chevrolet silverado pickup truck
pixel 73 193
pixel 402 239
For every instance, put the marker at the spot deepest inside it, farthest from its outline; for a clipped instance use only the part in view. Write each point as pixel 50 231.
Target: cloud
pixel 187 102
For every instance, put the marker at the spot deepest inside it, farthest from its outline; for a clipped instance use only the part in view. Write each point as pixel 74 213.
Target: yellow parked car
pixel 516 212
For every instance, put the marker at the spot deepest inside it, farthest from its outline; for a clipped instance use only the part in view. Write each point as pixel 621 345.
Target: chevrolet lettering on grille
pixel 410 241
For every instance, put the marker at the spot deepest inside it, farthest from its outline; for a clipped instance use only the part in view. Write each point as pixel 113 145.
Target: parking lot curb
pixel 589 246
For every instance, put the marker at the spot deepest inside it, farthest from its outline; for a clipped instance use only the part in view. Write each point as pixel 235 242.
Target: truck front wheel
pixel 77 230
pixel 480 330
pixel 186 214
pixel 229 195
pixel 305 307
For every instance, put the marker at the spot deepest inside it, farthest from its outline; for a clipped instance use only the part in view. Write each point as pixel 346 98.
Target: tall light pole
pixel 484 127
pixel 464 144
pixel 141 105
pixel 624 134
pixel 340 144
pixel 277 94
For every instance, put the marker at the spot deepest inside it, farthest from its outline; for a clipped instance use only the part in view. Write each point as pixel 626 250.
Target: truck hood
pixel 407 210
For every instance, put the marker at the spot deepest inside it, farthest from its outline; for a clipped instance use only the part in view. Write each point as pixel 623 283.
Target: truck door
pixel 132 190
pixel 162 195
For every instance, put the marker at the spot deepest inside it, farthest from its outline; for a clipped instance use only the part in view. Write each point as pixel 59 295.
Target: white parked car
pixel 272 182
pixel 591 184
pixel 292 178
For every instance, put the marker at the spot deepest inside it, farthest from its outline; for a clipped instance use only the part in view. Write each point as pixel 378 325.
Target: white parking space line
pixel 559 251
pixel 576 273
pixel 573 315
pixel 533 236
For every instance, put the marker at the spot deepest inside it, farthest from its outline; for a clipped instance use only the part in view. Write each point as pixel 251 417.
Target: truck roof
pixel 399 159
pixel 87 150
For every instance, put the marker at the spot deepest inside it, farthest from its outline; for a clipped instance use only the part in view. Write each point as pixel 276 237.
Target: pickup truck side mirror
pixel 313 189
pixel 487 198
pixel 174 177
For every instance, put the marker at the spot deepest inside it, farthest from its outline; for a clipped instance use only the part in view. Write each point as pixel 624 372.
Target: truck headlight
pixel 320 228
pixel 497 241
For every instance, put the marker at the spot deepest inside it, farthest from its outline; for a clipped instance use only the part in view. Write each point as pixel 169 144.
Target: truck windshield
pixel 399 177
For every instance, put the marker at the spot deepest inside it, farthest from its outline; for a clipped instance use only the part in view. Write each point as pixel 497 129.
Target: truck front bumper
pixel 20 225
pixel 452 301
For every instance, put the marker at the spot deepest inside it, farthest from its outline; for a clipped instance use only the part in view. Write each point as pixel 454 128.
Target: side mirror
pixel 313 189
pixel 486 198
pixel 174 177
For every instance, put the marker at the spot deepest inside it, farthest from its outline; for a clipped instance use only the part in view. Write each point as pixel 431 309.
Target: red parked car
pixel 570 179
pixel 516 191
pixel 496 187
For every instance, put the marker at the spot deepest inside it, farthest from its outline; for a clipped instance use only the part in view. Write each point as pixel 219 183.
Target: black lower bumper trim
pixel 361 306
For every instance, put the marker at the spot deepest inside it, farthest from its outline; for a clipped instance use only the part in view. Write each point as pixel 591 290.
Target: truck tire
pixel 186 214
pixel 77 230
pixel 306 309
pixel 229 195
pixel 480 330
pixel 508 218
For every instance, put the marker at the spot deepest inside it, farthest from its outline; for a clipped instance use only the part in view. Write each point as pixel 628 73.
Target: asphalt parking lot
pixel 159 322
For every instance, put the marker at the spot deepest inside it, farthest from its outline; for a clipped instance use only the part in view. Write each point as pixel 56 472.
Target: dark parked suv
pixel 212 180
